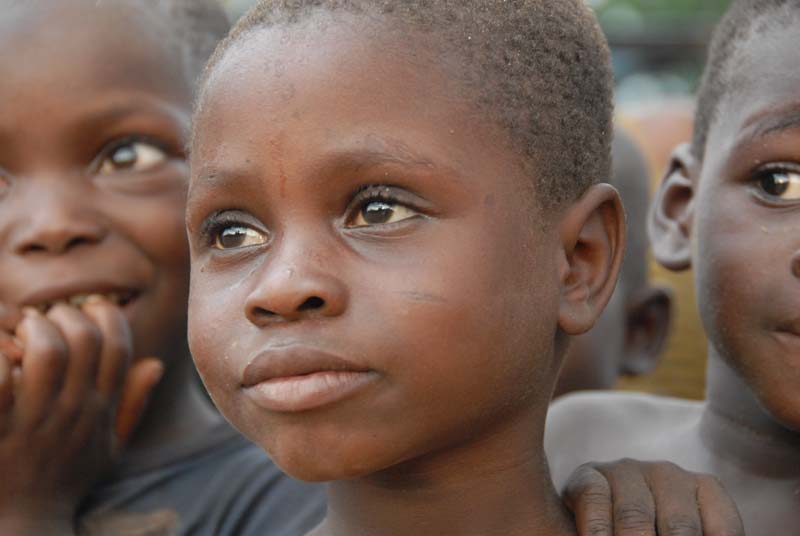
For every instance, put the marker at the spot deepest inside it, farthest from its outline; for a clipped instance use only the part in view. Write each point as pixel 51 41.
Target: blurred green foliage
pixel 683 8
pixel 633 15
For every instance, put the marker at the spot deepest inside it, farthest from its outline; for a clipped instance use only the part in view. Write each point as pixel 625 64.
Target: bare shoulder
pixel 605 426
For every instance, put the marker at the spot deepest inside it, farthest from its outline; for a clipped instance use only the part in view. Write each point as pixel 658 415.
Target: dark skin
pixel 399 243
pixel 93 190
pixel 732 217
pixel 629 336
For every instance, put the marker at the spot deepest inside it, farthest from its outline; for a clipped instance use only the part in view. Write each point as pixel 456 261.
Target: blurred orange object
pixel 658 129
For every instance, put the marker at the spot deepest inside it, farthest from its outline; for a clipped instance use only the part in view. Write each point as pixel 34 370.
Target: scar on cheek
pixel 421 297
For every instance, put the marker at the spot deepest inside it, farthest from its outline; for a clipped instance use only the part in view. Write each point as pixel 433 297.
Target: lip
pixel 299 378
pixel 63 291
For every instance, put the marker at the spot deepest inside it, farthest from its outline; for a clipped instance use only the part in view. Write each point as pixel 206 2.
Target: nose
pixel 796 265
pixel 293 287
pixel 58 223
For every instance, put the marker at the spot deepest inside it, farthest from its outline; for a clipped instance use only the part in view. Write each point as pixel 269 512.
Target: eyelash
pixel 370 194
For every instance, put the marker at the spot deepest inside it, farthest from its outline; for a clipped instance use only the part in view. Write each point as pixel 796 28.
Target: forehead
pixel 86 45
pixel 342 87
pixel 763 92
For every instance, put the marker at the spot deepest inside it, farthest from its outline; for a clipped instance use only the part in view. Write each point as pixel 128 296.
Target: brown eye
pixel 238 236
pixel 132 156
pixel 783 185
pixel 381 213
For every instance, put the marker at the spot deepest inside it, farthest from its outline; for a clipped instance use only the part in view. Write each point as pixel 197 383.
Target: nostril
pixel 314 302
pixel 796 266
pixel 260 312
pixel 77 241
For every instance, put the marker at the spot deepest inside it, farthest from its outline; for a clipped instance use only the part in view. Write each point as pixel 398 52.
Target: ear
pixel 648 321
pixel 592 234
pixel 670 219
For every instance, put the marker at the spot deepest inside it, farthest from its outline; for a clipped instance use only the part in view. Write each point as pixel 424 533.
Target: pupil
pixel 776 184
pixel 378 212
pixel 124 157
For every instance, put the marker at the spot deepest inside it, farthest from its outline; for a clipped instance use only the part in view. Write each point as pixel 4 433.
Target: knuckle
pixel 635 516
pixel 709 481
pixel 597 527
pixel 683 526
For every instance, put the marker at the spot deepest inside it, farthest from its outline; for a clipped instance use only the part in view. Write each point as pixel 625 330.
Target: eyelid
pixel 387 193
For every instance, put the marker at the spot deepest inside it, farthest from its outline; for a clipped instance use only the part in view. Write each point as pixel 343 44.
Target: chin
pixel 323 459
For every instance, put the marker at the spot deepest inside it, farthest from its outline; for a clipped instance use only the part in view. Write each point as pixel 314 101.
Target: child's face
pixel 93 180
pixel 745 223
pixel 363 236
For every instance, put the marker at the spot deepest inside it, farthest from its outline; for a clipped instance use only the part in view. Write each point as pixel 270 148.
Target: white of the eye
pixel 147 157
pixel 793 190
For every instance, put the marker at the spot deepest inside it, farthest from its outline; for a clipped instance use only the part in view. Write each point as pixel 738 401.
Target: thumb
pixel 142 377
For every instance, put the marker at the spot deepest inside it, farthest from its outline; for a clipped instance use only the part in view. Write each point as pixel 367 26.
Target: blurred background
pixel 658 49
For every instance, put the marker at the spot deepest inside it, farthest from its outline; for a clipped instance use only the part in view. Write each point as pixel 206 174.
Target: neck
pixel 498 484
pixel 739 430
pixel 177 413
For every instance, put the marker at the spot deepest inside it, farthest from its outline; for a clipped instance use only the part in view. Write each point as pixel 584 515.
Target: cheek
pixel 210 334
pixel 473 323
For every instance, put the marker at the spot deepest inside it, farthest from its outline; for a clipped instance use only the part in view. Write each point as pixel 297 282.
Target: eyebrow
pixel 773 120
pixel 119 109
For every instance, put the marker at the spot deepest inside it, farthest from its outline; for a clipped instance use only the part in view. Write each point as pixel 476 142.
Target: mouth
pixel 296 379
pixel 119 297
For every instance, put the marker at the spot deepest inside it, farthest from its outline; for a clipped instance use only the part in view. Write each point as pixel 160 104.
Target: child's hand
pixel 629 497
pixel 59 395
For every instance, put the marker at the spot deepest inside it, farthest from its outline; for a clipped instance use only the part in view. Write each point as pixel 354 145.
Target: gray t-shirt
pixel 225 486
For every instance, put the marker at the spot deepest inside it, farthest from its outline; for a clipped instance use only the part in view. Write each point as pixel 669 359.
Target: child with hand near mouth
pixel 96 101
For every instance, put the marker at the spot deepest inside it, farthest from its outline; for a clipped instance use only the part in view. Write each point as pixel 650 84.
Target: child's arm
pixel 59 391
pixel 629 497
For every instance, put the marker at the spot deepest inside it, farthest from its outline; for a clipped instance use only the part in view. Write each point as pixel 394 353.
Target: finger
pixel 142 378
pixel 675 495
pixel 117 346
pixel 6 392
pixel 718 512
pixel 83 340
pixel 634 509
pixel 43 368
pixel 588 495
pixel 11 347
pixel 10 317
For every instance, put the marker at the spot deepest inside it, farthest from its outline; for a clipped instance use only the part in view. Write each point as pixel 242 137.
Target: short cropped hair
pixel 539 68
pixel 743 20
pixel 195 27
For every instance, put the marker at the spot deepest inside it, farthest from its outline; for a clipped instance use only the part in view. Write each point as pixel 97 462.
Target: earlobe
pixel 648 323
pixel 593 242
pixel 670 218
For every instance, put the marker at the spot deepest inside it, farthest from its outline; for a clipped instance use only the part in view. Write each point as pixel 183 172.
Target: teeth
pixel 79 300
